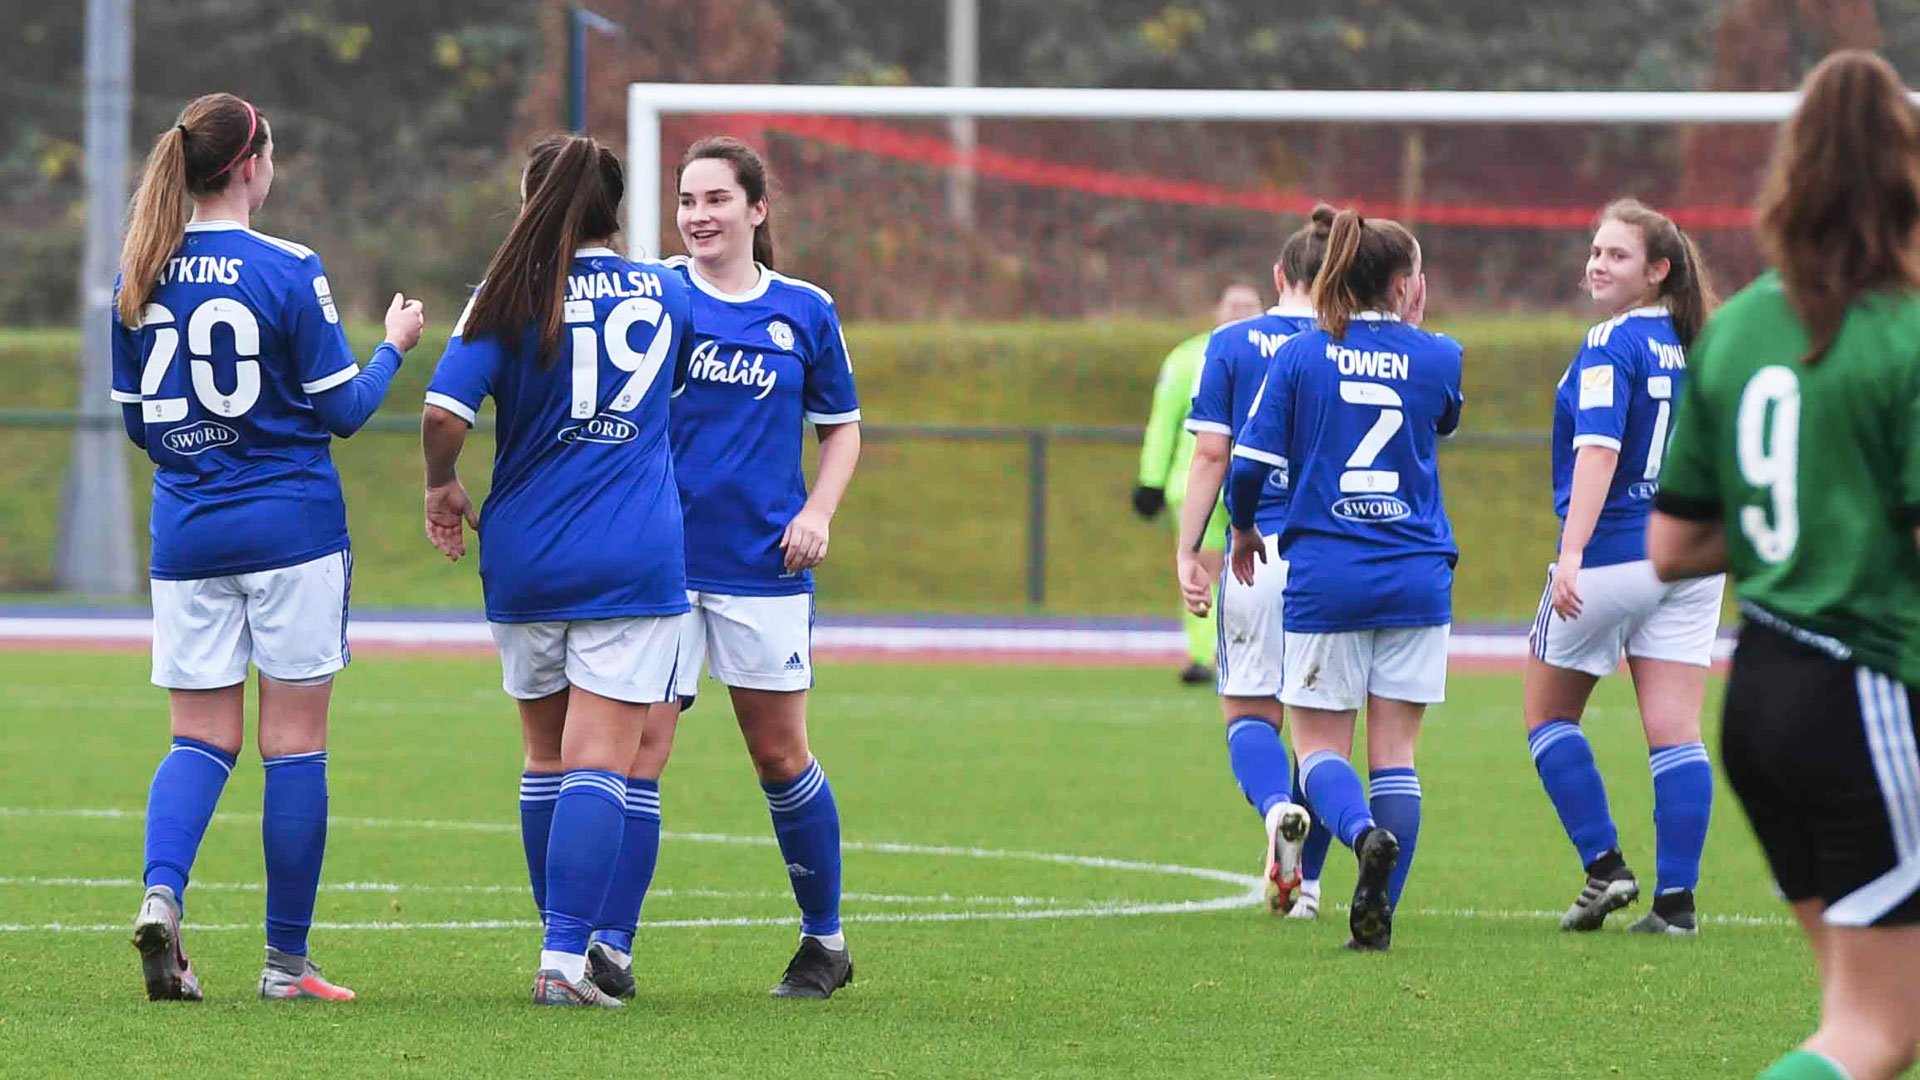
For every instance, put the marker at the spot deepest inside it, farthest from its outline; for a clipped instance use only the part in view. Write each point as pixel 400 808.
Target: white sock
pixel 1310 888
pixel 571 964
pixel 836 941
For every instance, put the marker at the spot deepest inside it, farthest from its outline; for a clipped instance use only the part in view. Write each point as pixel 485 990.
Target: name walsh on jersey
pixel 708 367
pixel 602 284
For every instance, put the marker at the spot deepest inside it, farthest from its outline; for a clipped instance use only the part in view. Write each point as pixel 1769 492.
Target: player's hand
pixel 447 507
pixel 1566 592
pixel 805 540
pixel 1248 548
pixel 405 319
pixel 1148 501
pixel 1196 582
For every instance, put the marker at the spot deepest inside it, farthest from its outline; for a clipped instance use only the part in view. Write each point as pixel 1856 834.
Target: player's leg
pixel 1313 856
pixel 1326 678
pixel 1669 656
pixel 297 616
pixel 1251 665
pixel 617 669
pixel 610 951
pixel 1566 659
pixel 1409 673
pixel 533 672
pixel 200 654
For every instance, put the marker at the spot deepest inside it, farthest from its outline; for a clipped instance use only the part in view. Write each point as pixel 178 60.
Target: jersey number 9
pixel 1770 458
pixel 586 352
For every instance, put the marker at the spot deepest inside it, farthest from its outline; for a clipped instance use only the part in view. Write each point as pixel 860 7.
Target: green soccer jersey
pixel 1814 469
pixel 1168 447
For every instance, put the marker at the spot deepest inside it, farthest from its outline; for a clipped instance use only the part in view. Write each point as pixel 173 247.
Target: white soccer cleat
pixel 1287 825
pixel 1306 905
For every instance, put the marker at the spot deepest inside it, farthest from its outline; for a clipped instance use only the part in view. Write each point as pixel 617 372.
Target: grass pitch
pixel 1049 872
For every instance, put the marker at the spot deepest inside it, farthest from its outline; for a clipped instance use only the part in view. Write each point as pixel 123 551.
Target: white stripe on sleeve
pixel 452 405
pixel 321 385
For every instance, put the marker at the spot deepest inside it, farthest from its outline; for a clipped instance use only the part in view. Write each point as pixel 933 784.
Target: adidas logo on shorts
pixel 794 663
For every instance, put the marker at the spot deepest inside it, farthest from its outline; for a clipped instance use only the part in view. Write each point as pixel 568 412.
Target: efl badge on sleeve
pixel 324 293
pixel 1596 387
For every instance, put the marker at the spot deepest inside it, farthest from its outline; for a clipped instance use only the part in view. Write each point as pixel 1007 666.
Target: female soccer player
pixel 250 555
pixel 770 360
pixel 1248 622
pixel 1795 465
pixel 1602 601
pixel 583 567
pixel 1351 413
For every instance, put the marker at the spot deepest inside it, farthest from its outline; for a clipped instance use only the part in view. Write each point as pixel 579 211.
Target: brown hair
pixel 1363 257
pixel 1688 286
pixel 198 155
pixel 1841 201
pixel 573 187
pixel 1304 251
pixel 750 171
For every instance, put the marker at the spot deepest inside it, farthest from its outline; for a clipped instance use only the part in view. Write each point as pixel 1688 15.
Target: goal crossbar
pixel 648 102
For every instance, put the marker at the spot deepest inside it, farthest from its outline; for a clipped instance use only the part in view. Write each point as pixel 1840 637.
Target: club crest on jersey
pixel 200 436
pixel 739 371
pixel 782 335
pixel 1369 509
pixel 605 428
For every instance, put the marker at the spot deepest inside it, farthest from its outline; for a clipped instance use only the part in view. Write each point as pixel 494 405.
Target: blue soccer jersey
pixel 238 338
pixel 583 521
pixel 769 361
pixel 1619 393
pixel 1357 422
pixel 1230 377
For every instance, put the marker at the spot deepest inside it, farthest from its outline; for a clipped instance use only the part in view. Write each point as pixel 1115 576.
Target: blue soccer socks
pixel 1313 854
pixel 1333 788
pixel 589 822
pixel 293 833
pixel 186 787
pixel 807 824
pixel 1260 762
pixel 1393 795
pixel 1682 807
pixel 538 790
pixel 1564 759
pixel 639 854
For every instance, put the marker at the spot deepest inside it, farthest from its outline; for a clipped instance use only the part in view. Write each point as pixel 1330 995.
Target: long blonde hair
pixel 196 156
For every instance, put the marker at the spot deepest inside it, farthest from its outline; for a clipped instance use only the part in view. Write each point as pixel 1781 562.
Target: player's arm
pixel 343 393
pixel 1260 449
pixel 126 376
pixel 459 385
pixel 1686 534
pixel 1211 454
pixel 1599 420
pixel 1171 396
pixel 831 405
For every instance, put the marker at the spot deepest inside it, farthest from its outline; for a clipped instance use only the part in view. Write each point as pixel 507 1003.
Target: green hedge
pixel 928 525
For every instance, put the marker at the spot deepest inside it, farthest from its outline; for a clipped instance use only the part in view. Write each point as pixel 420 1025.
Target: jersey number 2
pixel 166 343
pixel 586 352
pixel 1769 456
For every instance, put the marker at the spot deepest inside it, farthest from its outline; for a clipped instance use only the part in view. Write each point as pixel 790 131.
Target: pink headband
pixel 253 128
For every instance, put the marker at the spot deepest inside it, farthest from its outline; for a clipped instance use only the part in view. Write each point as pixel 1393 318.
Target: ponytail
pixel 156 223
pixel 1363 257
pixel 1306 249
pixel 1688 288
pixel 196 156
pixel 573 187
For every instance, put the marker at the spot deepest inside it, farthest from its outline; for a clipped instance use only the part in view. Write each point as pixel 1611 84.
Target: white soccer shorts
pixel 629 660
pixel 291 623
pixel 1251 654
pixel 1337 671
pixel 1626 610
pixel 750 642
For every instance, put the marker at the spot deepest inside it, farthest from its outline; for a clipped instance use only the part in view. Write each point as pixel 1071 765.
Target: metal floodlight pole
pixel 579 21
pixel 963 69
pixel 96 552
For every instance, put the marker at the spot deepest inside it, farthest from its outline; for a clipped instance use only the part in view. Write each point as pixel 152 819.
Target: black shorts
pixel 1822 754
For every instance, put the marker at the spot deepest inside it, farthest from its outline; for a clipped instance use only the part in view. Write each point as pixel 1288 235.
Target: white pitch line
pixel 381 888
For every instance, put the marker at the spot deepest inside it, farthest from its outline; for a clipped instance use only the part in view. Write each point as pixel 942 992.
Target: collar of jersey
pixel 596 253
pixel 1292 313
pixel 213 225
pixel 759 287
pixel 1376 316
pixel 1648 311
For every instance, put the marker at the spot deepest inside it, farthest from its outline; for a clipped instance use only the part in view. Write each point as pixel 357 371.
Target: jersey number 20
pixel 1769 456
pixel 166 343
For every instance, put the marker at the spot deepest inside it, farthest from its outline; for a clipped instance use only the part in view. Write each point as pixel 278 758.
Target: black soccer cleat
pixel 606 968
pixel 1371 916
pixel 815 971
pixel 1673 914
pixel 1610 887
pixel 1197 674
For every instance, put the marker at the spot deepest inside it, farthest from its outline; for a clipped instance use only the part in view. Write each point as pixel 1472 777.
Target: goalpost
pixel 648 102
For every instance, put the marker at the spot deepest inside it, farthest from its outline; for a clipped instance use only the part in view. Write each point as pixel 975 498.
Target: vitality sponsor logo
pixel 707 366
pixel 1370 509
pixel 199 436
pixel 605 428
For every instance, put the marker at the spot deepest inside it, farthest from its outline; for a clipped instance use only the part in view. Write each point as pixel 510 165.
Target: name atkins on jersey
pixel 711 363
